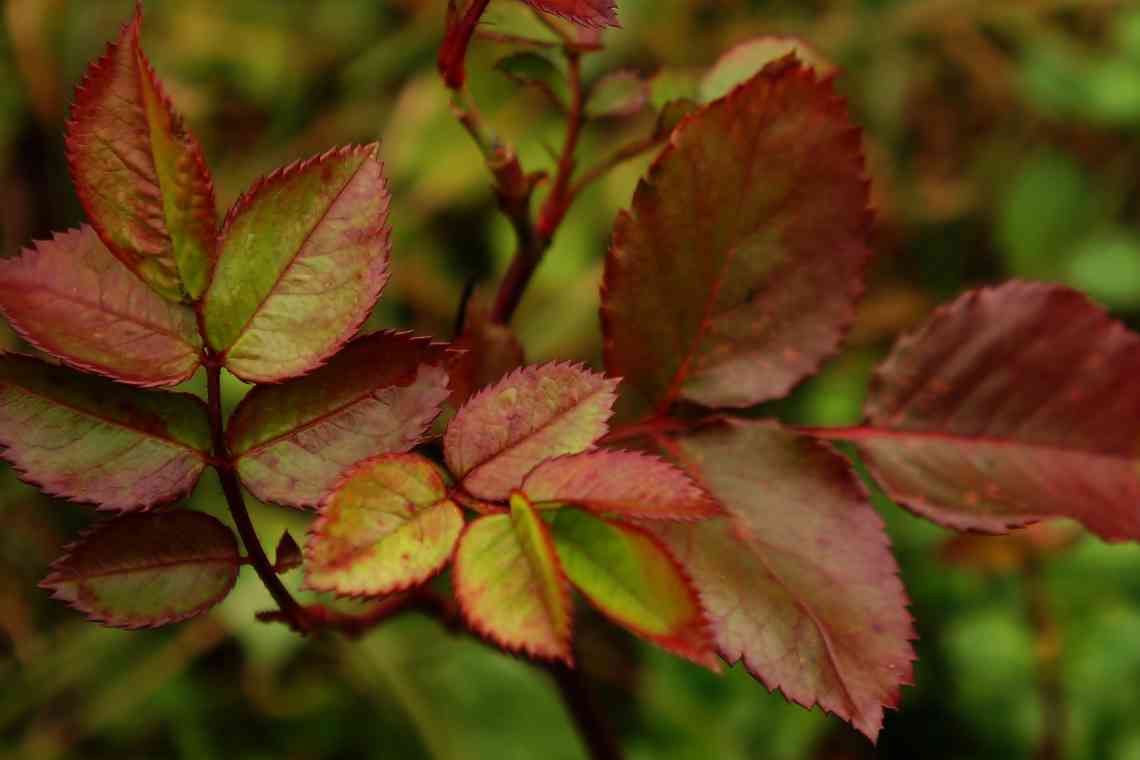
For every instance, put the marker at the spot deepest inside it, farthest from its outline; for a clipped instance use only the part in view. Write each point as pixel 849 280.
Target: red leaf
pixel 622 483
pixel 303 256
pixel 71 298
pixel 143 571
pixel 799 583
pixel 379 395
pixel 590 13
pixel 736 272
pixel 490 351
pixel 139 172
pixel 531 415
pixel 1010 405
pixel 92 440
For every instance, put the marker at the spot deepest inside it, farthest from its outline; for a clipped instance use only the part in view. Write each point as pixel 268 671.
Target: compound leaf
pixel 379 395
pixel 70 297
pixel 303 256
pixel 387 527
pixel 589 13
pixel 91 440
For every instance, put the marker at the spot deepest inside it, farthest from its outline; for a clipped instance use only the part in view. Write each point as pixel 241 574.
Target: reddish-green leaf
pixel 737 269
pixel 618 95
pixel 1010 405
pixel 623 483
pixel 510 584
pixel 92 440
pixel 303 257
pixel 387 527
pixel 70 297
pixel 627 574
pixel 590 13
pixel 799 583
pixel 533 414
pixel 140 173
pixel 379 395
pixel 142 571
pixel 742 62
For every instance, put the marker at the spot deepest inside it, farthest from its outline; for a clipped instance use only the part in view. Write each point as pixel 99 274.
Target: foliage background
pixel 1002 139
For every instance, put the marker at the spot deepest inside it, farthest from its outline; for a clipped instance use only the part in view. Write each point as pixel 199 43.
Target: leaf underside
pixel 91 440
pixel 379 395
pixel 147 570
pixel 589 13
pixel 70 297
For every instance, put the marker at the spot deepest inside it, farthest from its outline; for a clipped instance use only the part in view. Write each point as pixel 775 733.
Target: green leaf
pixel 531 69
pixel 387 527
pixel 143 571
pixel 292 441
pixel 303 257
pixel 744 61
pixel 70 297
pixel 628 574
pixel 510 584
pixel 139 172
pixel 94 441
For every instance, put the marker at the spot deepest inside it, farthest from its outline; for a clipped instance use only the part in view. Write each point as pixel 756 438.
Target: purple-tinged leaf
pixel 303 256
pixel 1010 405
pixel 71 298
pixel 620 483
pixel 379 395
pixel 140 174
pixel 94 441
pixel 799 583
pixel 736 272
pixel 531 415
pixel 387 527
pixel 595 14
pixel 143 571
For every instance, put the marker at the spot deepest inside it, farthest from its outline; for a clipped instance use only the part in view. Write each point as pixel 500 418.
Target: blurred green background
pixel 1002 138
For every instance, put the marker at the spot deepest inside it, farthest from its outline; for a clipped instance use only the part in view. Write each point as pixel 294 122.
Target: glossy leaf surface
pixel 627 574
pixel 387 527
pixel 533 414
pixel 303 257
pixel 591 13
pixel 623 483
pixel 141 571
pixel 140 174
pixel 70 297
pixel 799 583
pixel 379 395
pixel 92 440
pixel 1010 405
pixel 736 271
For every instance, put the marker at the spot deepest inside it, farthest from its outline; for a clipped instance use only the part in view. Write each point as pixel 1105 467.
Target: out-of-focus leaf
pixel 742 62
pixel 490 351
pixel 531 415
pixel 510 584
pixel 92 440
pixel 303 257
pixel 737 270
pixel 387 527
pixel 799 583
pixel 142 571
pixel 1013 551
pixel 70 297
pixel 139 172
pixel 1010 405
pixel 617 95
pixel 590 13
pixel 532 69
pixel 627 574
pixel 623 483
pixel 1107 267
pixel 379 395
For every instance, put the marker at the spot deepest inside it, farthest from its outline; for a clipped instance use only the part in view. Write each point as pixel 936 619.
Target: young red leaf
pixel 303 257
pixel 531 415
pixel 589 13
pixel 1010 405
pixel 737 269
pixel 139 172
pixel 92 440
pixel 623 483
pixel 510 584
pixel 490 351
pixel 799 583
pixel 387 527
pixel 143 571
pixel 71 298
pixel 379 395
pixel 742 62
pixel 627 574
